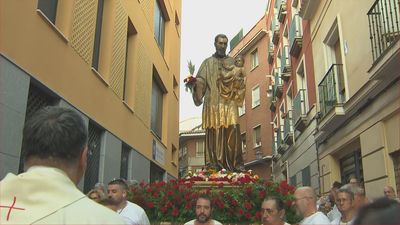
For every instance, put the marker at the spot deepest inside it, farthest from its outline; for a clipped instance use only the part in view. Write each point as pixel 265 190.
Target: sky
pixel 201 21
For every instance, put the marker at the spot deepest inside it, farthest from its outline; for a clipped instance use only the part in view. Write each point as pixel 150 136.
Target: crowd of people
pixel 55 152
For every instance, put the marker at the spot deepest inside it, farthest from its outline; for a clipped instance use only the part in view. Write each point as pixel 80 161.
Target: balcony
pixel 274 150
pixel 285 63
pixel 295 36
pixel 384 28
pixel 308 8
pixel 272 102
pixel 281 6
pixel 299 110
pixel 288 129
pixel 275 30
pixel 281 147
pixel 278 87
pixel 271 53
pixel 328 91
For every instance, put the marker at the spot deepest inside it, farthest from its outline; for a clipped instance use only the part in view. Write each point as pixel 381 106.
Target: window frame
pixel 253 102
pixel 255 143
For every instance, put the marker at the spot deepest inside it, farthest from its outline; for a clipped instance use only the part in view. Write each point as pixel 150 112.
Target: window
pixel 182 151
pixel 159 26
pixel 242 110
pixel 49 9
pixel 97 34
pixel 255 97
pixel 254 59
pixel 200 148
pixel 157 95
pixel 124 161
pixel 293 180
pixel 174 156
pixel 95 134
pixel 257 136
pixel 306 176
pixel 243 139
pixel 177 23
pixel 334 57
pixel 351 165
pixel 129 57
pixel 176 87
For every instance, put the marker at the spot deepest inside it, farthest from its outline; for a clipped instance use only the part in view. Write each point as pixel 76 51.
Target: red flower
pixel 289 203
pixel 258 215
pixel 248 190
pixel 188 206
pixel 277 189
pixel 241 212
pixel 175 212
pixel 168 204
pixel 163 210
pixel 261 194
pixel 221 193
pixel 169 193
pixel 248 215
pixel 234 202
pixel 150 205
pixel 155 194
pixel 248 205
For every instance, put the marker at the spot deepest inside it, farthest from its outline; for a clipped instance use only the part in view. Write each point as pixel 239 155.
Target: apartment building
pixel 116 62
pixel 292 95
pixel 254 117
pixel 357 84
pixel 191 146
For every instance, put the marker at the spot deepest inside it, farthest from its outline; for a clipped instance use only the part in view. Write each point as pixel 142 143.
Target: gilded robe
pixel 223 147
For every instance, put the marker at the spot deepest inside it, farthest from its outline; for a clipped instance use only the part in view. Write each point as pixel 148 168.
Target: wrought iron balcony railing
pixel 270 53
pixel 295 36
pixel 280 5
pixel 285 60
pixel 278 88
pixel 274 146
pixel 384 28
pixel 299 105
pixel 288 128
pixel 328 89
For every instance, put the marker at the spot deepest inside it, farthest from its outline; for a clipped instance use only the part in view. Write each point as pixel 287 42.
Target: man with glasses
pixel 203 210
pixel 130 212
pixel 273 212
pixel 306 203
pixel 54 150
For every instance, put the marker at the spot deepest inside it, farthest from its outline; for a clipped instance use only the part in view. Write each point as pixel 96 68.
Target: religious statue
pixel 220 87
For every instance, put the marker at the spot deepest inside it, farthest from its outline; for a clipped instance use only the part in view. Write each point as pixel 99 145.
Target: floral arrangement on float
pixel 236 197
pixel 190 79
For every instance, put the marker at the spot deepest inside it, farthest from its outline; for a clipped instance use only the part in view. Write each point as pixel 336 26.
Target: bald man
pixel 306 203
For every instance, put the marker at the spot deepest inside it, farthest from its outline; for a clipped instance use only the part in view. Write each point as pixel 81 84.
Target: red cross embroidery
pixel 11 208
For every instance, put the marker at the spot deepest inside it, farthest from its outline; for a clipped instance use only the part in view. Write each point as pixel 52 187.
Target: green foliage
pixel 191 67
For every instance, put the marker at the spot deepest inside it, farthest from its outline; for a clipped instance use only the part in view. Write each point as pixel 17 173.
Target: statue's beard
pixel 221 53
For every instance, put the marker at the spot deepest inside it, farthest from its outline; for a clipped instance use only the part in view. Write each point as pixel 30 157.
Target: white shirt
pixel 193 221
pixel 334 214
pixel 49 197
pixel 316 218
pixel 133 214
pixel 338 221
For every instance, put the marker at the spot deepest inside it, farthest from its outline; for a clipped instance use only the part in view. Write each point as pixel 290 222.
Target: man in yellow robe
pixel 220 115
pixel 55 152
